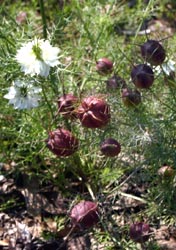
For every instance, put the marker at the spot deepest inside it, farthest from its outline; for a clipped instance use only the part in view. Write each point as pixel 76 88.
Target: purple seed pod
pixel 93 112
pixel 115 82
pixel 142 76
pixel 104 66
pixel 110 147
pixel 153 52
pixel 85 214
pixel 66 105
pixel 62 143
pixel 139 232
pixel 131 98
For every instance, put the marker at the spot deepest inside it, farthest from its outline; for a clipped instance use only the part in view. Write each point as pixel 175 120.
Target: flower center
pixel 37 51
pixel 23 91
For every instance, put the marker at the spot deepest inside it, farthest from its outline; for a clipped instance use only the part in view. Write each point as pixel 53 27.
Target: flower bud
pixel 110 147
pixel 142 76
pixel 115 82
pixel 66 105
pixel 139 232
pixel 93 112
pixel 62 143
pixel 104 66
pixel 85 214
pixel 131 98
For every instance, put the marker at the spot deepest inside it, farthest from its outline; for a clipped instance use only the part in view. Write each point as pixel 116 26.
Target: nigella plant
pixel 62 142
pixel 130 98
pixel 37 56
pixel 139 232
pixel 153 52
pixel 110 147
pixel 142 76
pixel 104 66
pixel 85 214
pixel 66 105
pixel 23 94
pixel 94 112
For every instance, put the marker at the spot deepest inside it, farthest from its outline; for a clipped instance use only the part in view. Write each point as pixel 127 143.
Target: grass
pixel 86 31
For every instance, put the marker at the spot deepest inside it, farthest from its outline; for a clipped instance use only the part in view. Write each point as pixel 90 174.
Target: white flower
pixel 37 57
pixel 168 67
pixel 23 95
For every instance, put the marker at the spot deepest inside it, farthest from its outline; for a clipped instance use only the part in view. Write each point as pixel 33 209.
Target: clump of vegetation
pixel 88 115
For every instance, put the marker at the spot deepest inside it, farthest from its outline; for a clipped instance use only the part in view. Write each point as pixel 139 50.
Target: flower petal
pixel 34 63
pixel 17 98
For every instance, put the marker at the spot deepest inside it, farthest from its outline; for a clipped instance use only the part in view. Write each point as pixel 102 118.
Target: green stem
pixel 145 13
pixel 48 103
pixel 42 10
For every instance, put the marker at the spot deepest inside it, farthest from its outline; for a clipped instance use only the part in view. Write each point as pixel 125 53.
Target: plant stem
pixel 145 13
pixel 42 10
pixel 47 102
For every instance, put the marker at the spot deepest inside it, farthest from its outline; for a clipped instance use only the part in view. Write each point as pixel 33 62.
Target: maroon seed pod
pixel 110 147
pixel 104 66
pixel 66 105
pixel 142 76
pixel 165 171
pixel 93 112
pixel 85 214
pixel 115 82
pixel 62 143
pixel 153 52
pixel 139 232
pixel 131 98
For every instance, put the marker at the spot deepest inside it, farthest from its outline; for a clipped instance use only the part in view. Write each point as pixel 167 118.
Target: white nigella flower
pixel 167 67
pixel 36 57
pixel 23 95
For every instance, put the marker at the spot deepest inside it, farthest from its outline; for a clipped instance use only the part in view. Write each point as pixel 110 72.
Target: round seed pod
pixel 104 66
pixel 115 82
pixel 93 112
pixel 139 232
pixel 131 98
pixel 66 105
pixel 110 147
pixel 142 76
pixel 85 214
pixel 153 52
pixel 62 143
